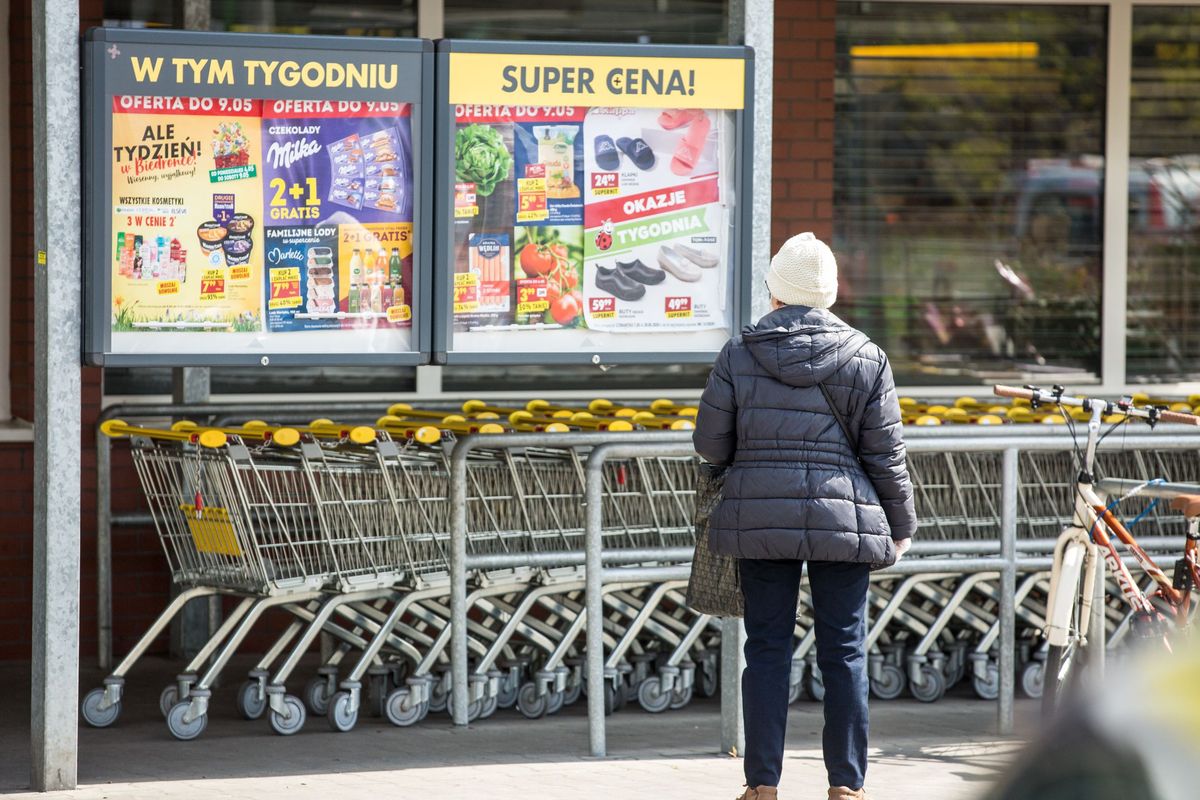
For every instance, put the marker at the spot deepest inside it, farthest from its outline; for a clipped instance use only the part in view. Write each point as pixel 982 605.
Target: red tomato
pixel 572 279
pixel 566 308
pixel 536 260
pixel 559 251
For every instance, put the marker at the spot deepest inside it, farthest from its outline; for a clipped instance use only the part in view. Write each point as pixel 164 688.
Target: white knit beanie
pixel 804 273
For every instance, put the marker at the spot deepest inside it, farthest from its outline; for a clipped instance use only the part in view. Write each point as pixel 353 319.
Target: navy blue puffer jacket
pixel 795 488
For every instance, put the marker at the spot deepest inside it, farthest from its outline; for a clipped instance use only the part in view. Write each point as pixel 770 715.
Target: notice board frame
pixel 96 195
pixel 740 250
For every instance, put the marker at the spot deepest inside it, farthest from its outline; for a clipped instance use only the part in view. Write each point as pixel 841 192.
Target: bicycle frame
pixel 1095 533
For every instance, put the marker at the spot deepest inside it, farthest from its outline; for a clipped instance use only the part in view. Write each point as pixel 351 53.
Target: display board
pixel 593 202
pixel 257 199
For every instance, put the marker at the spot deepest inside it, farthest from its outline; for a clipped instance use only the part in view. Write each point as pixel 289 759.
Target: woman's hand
pixel 902 548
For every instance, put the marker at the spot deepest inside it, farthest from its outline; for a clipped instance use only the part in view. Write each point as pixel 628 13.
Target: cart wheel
pixel 1033 679
pixel 424 711
pixel 316 695
pixel 814 685
pixel 707 683
pixel 555 702
pixel 681 697
pixel 439 698
pixel 475 710
pixel 932 685
pixel 652 697
pixel 890 684
pixel 250 704
pixel 94 715
pixel 340 717
pixel 530 703
pixel 795 690
pixel 168 699
pixel 292 720
pixel 181 730
pixel 572 694
pixel 401 711
pixel 508 695
pixel 377 695
pixel 987 688
pixel 490 705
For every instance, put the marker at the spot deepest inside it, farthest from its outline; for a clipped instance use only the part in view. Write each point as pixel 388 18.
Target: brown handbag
pixel 715 585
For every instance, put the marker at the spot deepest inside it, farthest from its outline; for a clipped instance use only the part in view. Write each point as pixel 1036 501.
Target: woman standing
pixel 803 410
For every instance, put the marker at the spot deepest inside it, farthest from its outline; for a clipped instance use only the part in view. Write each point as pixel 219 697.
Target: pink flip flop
pixel 692 145
pixel 677 117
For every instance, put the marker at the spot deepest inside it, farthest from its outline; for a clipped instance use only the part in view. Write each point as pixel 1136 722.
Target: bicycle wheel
pixel 1065 628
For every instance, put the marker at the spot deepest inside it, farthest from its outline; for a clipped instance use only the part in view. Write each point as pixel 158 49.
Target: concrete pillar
pixel 57 394
pixel 752 22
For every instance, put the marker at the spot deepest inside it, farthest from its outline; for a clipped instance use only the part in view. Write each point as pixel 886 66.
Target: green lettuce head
pixel 481 157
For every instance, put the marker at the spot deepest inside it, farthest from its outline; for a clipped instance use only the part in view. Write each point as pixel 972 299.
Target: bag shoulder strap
pixel 837 415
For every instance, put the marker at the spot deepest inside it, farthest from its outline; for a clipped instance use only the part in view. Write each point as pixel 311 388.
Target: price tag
pixel 168 287
pixel 285 288
pixel 212 285
pixel 679 307
pixel 399 313
pixel 605 184
pixel 603 307
pixel 465 204
pixel 532 299
pixel 462 279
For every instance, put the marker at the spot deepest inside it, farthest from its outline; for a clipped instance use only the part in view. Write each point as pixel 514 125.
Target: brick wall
pixel 802 163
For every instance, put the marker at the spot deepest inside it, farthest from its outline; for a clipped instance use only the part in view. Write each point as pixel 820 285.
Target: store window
pixel 1163 334
pixel 311 17
pixel 968 187
pixel 645 21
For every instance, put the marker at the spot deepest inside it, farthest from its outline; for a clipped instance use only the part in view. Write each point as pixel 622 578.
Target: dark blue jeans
pixel 839 593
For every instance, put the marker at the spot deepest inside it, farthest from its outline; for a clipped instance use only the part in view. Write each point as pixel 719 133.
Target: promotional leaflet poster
pixel 605 219
pixel 260 216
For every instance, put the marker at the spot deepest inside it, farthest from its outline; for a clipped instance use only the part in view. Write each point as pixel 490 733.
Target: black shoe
pixel 641 273
pixel 618 284
pixel 638 151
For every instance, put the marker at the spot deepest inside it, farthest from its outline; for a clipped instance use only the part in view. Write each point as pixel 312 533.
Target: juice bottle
pixel 376 298
pixel 394 266
pixel 356 268
pixel 386 293
pixel 398 294
pixel 352 302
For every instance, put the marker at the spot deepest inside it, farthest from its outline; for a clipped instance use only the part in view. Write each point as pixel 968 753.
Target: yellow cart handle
pixel 205 437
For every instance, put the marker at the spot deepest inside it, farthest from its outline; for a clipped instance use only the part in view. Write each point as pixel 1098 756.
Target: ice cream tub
pixel 211 235
pixel 237 250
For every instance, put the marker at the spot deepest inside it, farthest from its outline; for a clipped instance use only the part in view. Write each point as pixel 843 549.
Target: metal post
pixel 104 627
pixel 1008 589
pixel 733 661
pixel 593 545
pixel 57 394
pixel 458 583
pixel 1098 636
pixel 752 22
pixel 191 629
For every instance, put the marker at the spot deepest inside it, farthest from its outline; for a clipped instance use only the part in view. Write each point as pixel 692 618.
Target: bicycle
pixel 1091 539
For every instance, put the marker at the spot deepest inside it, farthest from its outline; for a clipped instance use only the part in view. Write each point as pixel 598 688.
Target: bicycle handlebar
pixel 1055 396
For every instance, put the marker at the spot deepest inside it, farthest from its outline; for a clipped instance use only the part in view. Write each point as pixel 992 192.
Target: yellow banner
pixel 629 82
